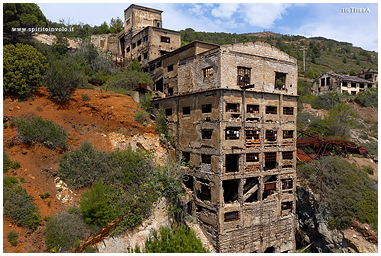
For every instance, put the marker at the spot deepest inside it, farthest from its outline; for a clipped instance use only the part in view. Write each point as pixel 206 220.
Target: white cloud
pixel 197 9
pixel 263 15
pixel 225 11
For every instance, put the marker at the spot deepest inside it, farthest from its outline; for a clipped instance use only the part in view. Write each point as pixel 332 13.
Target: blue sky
pixel 307 19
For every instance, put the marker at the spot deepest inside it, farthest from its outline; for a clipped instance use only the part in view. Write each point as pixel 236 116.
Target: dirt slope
pixel 96 120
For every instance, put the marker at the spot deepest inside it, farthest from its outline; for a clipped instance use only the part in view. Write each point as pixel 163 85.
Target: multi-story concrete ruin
pixel 232 112
pixel 143 37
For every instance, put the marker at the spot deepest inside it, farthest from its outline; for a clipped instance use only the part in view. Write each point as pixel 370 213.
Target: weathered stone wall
pixel 107 42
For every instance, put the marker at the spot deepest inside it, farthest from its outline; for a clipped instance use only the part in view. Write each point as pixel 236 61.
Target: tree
pixel 23 68
pixel 116 25
pixel 345 60
pixel 21 15
pixel 104 29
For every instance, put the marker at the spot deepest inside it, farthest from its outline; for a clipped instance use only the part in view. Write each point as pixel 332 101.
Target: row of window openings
pixel 163 39
pixel 232 160
pixel 234 107
pixel 286 209
pixel 233 133
pixel 250 188
pixel 244 75
pixel 354 85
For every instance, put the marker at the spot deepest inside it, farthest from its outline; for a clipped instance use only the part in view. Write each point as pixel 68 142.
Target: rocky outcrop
pixel 312 225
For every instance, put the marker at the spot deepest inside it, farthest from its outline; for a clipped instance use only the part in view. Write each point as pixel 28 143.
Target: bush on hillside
pixel 145 102
pixel 6 162
pixel 177 240
pixel 161 125
pixel 368 97
pixel 23 68
pixel 12 237
pixel 368 169
pixel 126 81
pixel 44 131
pixel 19 206
pixel 64 231
pixel 327 101
pixel 347 190
pixel 141 116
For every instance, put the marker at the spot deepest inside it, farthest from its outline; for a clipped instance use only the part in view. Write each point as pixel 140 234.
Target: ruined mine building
pixel 232 111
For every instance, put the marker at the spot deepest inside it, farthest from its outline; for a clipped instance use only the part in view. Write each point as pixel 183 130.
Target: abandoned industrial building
pixel 232 112
pixel 341 83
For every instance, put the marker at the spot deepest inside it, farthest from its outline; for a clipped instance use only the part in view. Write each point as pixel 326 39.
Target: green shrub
pixel 12 237
pixel 9 181
pixel 126 81
pixel 161 125
pixel 141 116
pixel 18 205
pixel 59 189
pixel 97 205
pixel 178 240
pixel 326 101
pixel 368 169
pixel 6 162
pixel 5 125
pixel 44 196
pixel 22 179
pixel 348 192
pixel 63 231
pixel 16 165
pixel 23 68
pixel 368 97
pixel 85 97
pixel 43 131
pixel 90 249
pixel 145 102
pixel 62 77
pixel 48 217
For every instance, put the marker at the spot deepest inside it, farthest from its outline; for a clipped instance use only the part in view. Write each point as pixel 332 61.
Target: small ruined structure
pixel 369 75
pixel 344 84
pixel 232 112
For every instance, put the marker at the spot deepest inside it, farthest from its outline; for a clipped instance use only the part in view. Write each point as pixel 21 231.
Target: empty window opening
pixel 139 58
pixel 159 85
pixel 207 72
pixel 272 110
pixel 230 190
pixel 270 250
pixel 288 110
pixel 280 80
pixel 353 92
pixel 269 186
pixel 207 134
pixel 250 190
pixel 271 135
pixel 145 38
pixel 288 155
pixel 362 85
pixel 170 91
pixel 288 134
pixel 252 119
pixel 158 65
pixel 231 163
pixel 133 45
pixel 139 42
pixel 367 76
pixel 236 115
pixel 145 55
pixel 252 109
pixel 165 39
pixel 188 181
pixel 152 67
pixel 328 79
pixel 353 84
pixel 185 157
pixel 206 159
pixel 270 161
pixel 243 76
pixel 252 134
pixel 168 112
pixel 128 22
pixel 286 208
pixel 287 184
pixel 186 110
pixel 345 84
pixel 232 133
pixel 189 208
pixel 204 192
pixel 231 216
pixel 206 108
pixel 170 68
pixel 232 107
pixel 128 49
pixel 369 86
pixel 322 82
pixel 252 157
